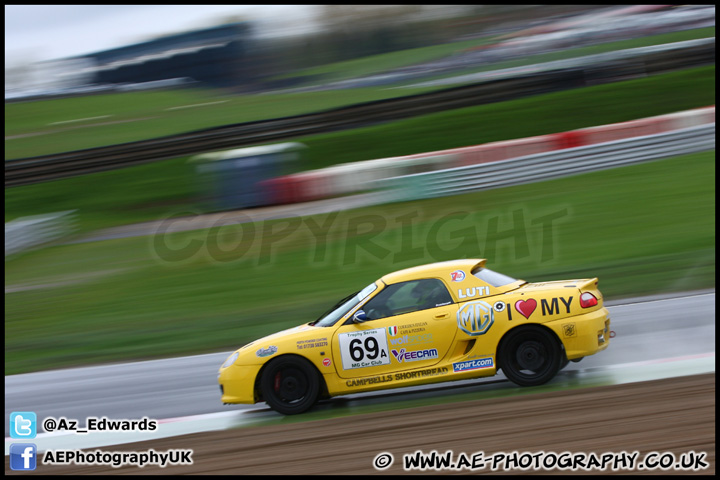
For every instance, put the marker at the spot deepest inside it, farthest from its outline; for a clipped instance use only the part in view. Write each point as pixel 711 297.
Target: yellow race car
pixel 433 323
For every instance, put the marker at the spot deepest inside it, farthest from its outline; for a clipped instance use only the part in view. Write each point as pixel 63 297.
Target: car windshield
pixel 493 278
pixel 343 306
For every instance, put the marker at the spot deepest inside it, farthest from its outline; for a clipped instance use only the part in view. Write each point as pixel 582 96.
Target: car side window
pixel 407 297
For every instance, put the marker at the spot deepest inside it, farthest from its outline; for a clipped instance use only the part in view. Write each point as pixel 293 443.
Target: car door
pixel 410 325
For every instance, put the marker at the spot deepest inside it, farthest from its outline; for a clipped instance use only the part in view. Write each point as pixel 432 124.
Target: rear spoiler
pixel 477 266
pixel 589 284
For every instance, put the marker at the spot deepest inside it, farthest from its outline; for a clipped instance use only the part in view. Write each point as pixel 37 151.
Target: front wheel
pixel 530 356
pixel 290 385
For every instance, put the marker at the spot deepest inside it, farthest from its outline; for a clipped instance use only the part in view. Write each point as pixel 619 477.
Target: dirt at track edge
pixel 672 415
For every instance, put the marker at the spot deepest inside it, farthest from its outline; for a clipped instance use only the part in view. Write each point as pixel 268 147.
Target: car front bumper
pixel 237 383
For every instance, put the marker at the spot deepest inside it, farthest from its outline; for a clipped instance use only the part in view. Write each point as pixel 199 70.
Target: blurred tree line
pixel 353 31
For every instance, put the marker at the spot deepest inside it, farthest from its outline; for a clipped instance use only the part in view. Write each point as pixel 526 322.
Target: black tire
pixel 563 363
pixel 290 385
pixel 530 356
pixel 563 358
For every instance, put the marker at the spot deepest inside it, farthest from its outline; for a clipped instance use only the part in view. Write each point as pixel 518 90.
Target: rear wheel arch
pixel 528 325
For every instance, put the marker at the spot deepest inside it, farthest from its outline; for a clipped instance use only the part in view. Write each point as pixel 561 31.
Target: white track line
pixel 80 120
pixel 195 105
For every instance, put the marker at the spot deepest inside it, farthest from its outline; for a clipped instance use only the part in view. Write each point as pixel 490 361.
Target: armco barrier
pixel 333 175
pixel 620 131
pixel 527 146
pixel 692 118
pixel 550 165
pixel 360 176
pixel 643 126
pixel 342 180
pixel 348 181
pixel 426 162
pixel 314 185
pixel 502 150
pixel 282 190
pixel 26 232
pixel 383 168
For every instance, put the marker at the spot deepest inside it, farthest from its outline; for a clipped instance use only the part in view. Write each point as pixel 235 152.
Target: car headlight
pixel 230 360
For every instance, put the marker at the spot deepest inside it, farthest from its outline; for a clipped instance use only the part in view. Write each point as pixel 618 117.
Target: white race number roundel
pixel 366 348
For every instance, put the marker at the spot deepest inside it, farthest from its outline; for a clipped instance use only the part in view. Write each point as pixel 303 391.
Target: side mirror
pixel 359 316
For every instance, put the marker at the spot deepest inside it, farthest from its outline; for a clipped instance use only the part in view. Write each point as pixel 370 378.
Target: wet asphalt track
pixel 650 328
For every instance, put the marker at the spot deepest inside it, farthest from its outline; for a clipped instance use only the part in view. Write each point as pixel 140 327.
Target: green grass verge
pixel 149 191
pixel 61 125
pixel 525 117
pixel 642 229
pixel 380 63
pixel 31 128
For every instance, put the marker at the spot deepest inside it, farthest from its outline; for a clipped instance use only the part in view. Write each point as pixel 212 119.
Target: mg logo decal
pixel 475 318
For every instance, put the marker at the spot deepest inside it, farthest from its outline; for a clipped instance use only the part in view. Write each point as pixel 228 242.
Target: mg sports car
pixel 433 323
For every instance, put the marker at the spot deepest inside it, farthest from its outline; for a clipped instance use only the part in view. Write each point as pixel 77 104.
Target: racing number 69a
pixel 371 349
pixel 368 348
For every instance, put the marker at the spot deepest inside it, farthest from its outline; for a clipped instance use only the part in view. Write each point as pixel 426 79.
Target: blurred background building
pixel 217 57
pixel 242 57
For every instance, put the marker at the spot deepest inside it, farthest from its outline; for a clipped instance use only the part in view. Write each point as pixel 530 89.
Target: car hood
pixel 292 340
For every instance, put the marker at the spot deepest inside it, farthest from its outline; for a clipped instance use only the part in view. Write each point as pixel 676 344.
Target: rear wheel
pixel 530 356
pixel 563 363
pixel 290 385
pixel 563 360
